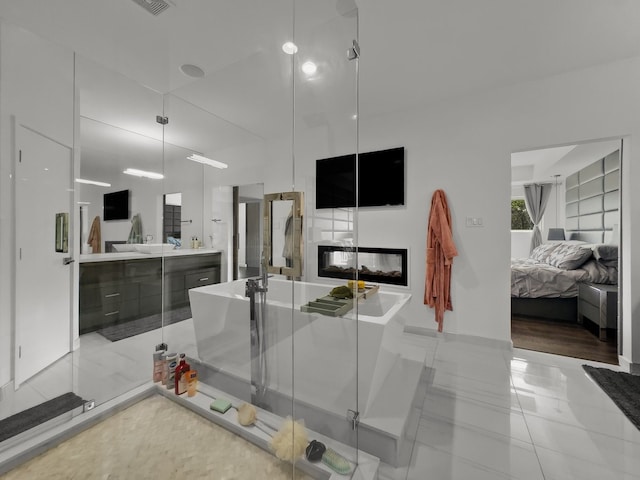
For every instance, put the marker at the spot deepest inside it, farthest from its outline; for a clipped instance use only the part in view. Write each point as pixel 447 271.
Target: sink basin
pixel 153 247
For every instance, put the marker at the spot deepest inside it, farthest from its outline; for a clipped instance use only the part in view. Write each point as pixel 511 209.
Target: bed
pixel 545 285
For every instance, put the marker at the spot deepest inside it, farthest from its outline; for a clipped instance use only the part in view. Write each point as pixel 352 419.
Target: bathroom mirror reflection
pixel 172 218
pixel 283 233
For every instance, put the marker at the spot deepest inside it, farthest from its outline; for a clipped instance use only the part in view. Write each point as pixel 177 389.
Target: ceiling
pixel 543 165
pixel 414 53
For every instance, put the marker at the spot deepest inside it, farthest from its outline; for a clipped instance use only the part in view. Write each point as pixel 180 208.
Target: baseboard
pixel 628 366
pixel 473 339
pixel 427 332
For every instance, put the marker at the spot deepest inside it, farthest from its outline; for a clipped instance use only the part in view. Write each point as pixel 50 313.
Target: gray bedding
pixel 532 279
pixel 554 269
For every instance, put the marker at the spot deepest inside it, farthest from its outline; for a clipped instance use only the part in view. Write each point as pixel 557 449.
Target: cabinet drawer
pixel 115 312
pixel 592 312
pixel 202 277
pixel 589 294
pixel 118 291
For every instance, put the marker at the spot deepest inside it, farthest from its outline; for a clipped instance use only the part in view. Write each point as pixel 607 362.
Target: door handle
pixel 67 260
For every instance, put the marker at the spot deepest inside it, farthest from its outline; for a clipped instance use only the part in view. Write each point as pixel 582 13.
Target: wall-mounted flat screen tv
pixel 380 179
pixel 116 205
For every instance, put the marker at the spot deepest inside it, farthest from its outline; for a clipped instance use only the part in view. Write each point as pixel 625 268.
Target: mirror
pixel 62 232
pixel 172 219
pixel 282 244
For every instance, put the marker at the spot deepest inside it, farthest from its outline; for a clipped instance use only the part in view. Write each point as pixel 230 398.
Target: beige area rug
pixel 155 439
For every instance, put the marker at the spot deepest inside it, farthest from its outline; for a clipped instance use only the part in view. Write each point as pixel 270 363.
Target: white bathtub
pixel 310 356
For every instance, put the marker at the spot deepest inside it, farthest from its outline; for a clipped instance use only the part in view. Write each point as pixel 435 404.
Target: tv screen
pixel 380 182
pixel 116 205
pixel 336 182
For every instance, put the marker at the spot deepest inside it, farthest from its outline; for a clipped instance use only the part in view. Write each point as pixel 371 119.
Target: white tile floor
pixel 488 413
pixel 493 414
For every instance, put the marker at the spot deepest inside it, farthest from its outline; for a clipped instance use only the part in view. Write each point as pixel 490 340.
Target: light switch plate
pixel 474 222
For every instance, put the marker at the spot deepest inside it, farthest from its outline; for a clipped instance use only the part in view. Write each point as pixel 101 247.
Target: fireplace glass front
pixel 378 265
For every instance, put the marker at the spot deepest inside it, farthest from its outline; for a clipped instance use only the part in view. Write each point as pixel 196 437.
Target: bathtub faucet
pixel 253 286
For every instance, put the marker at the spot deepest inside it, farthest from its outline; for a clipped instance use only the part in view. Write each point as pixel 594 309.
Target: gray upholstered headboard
pixel 592 200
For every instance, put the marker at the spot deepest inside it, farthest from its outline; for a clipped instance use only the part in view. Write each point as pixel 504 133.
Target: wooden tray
pixel 336 307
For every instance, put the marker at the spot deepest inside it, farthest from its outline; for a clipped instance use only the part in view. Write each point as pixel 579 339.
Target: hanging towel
pixel 135 235
pixel 440 253
pixel 94 236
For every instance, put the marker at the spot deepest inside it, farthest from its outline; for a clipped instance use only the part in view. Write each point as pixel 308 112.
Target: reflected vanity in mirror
pixel 282 245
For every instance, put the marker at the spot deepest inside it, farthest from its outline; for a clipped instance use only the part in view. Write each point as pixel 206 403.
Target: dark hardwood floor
pixel 568 339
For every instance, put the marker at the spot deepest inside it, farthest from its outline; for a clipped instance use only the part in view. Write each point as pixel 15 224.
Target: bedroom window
pixel 520 219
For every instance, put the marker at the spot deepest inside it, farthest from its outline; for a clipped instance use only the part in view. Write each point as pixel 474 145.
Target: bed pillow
pixel 569 257
pixel 605 252
pixel 541 253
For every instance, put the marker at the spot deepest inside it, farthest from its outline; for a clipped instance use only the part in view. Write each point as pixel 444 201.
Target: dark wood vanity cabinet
pixel 117 291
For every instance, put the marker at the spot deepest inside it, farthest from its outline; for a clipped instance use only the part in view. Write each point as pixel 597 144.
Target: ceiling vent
pixel 155 7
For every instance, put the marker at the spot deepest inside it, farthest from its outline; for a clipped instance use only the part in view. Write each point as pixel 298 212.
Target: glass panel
pixel 120 283
pixel 326 377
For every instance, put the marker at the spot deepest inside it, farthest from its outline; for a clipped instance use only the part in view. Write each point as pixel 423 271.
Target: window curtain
pixel 536 196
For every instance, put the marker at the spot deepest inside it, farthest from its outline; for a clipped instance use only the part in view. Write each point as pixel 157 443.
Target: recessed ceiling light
pixel 206 161
pixel 92 182
pixel 142 173
pixel 192 70
pixel 354 116
pixel 289 48
pixel 309 68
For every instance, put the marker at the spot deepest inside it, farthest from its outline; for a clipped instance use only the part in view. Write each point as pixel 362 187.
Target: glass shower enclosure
pixel 250 93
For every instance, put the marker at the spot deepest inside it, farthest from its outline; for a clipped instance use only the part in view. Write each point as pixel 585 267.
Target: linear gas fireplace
pixel 379 265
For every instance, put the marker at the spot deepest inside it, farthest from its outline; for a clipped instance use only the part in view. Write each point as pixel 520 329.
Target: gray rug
pixel 623 388
pixel 144 324
pixel 34 416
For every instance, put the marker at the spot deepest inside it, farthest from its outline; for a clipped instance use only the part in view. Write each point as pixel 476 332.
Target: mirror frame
pixel 267 244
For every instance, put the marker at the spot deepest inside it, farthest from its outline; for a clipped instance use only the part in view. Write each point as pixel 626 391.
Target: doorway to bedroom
pixel 565 230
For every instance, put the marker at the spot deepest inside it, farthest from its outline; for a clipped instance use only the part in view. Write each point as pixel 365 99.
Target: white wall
pixel 464 147
pixel 36 86
pixel 520 243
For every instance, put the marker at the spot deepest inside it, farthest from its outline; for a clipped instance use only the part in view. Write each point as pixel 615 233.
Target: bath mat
pixel 145 324
pixel 34 416
pixel 133 444
pixel 623 388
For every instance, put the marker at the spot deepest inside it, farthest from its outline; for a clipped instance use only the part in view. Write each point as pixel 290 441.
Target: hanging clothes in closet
pixel 440 253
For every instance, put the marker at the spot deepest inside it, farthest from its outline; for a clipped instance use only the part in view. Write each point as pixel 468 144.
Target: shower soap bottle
pixel 192 382
pixel 158 365
pixel 180 376
pixel 170 369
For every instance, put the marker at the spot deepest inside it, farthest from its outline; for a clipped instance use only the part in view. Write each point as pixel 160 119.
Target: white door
pixel 43 189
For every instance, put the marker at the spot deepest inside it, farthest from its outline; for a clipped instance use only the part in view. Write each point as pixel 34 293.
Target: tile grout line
pixel 524 417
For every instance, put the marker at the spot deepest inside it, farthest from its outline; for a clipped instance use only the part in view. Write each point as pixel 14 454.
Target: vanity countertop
pixel 108 257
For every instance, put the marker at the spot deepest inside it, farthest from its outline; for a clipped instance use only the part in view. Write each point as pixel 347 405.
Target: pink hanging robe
pixel 440 253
